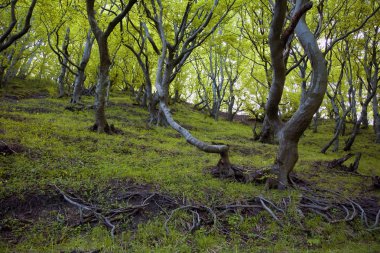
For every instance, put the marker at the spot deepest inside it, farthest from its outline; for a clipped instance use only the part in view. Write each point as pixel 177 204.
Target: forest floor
pixel 64 188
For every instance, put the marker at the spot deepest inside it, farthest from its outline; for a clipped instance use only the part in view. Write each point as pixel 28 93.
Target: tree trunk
pixel 339 123
pixel 102 87
pixel 8 66
pixel 41 72
pixel 230 115
pixel 354 114
pixel 61 80
pixel 62 75
pixel 286 159
pixel 290 132
pixel 177 96
pixel 315 122
pixel 103 83
pixel 81 76
pixel 78 86
pixel 350 141
pixel 24 70
pixel 376 118
pixel 365 117
pixel 267 132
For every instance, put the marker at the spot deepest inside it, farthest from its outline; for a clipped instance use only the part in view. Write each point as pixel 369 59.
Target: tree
pixel 103 82
pixel 62 76
pixel 370 62
pixel 189 33
pixel 214 69
pixel 290 132
pixel 139 34
pixel 80 76
pixel 7 38
pixel 256 32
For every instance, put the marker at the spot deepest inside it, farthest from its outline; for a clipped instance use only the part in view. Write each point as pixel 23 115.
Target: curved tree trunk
pixel 372 70
pixel 62 75
pixel 290 132
pixel 287 157
pixel 61 80
pixel 81 76
pixel 338 129
pixel 224 164
pixel 101 89
pixel 103 83
pixel 350 141
pixel 7 38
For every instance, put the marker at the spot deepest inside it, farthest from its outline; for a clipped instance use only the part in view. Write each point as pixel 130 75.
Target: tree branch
pixel 23 31
pixel 293 23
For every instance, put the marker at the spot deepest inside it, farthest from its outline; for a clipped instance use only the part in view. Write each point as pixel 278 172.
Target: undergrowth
pixel 56 148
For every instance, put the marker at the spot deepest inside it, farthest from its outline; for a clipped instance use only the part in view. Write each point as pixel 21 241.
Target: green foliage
pixel 54 146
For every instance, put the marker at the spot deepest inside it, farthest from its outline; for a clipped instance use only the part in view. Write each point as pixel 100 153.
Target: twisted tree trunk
pixel 62 75
pixel 290 132
pixel 103 83
pixel 81 76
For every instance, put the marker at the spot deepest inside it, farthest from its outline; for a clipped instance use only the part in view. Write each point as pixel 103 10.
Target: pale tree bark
pixel 371 66
pixel 172 58
pixel 143 60
pixel 213 69
pixel 62 75
pixel 218 85
pixel 12 68
pixel 290 132
pixel 26 67
pixel 7 38
pixel 350 80
pixel 233 74
pixel 184 42
pixel 376 118
pixel 219 149
pixel 339 120
pixel 81 76
pixel 6 61
pixel 350 141
pixel 103 83
pixel 13 58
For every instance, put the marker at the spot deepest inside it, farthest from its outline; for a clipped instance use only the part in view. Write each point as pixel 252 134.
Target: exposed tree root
pixel 5 149
pixel 109 129
pixel 338 163
pixel 331 206
pixel 75 107
pixel 240 174
pixel 10 149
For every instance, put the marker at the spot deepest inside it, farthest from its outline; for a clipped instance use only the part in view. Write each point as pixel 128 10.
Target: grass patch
pixel 58 149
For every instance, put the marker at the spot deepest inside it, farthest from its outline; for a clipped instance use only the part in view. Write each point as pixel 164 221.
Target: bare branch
pixel 24 30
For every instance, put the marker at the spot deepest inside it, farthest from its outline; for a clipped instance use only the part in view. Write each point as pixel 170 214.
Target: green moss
pixel 59 149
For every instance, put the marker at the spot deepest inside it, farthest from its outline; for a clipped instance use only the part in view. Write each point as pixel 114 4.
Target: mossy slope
pixel 58 149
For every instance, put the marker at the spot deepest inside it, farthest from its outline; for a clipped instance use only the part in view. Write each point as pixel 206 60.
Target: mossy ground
pixel 58 149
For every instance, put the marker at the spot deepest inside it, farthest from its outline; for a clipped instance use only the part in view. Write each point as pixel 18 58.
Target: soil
pixel 11 148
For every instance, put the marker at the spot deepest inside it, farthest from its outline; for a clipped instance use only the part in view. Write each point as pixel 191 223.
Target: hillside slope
pixel 64 188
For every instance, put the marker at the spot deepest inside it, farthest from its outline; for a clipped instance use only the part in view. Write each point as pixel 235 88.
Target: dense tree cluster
pixel 272 60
